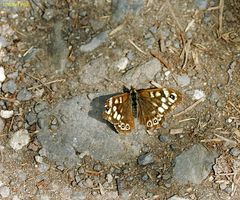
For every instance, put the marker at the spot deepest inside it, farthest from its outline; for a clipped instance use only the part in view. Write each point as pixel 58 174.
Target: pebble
pixel 164 138
pixel 145 159
pixel 201 4
pixel 6 114
pixel 198 94
pixel 95 42
pixel 19 139
pixel 31 118
pixel 2 75
pixel 88 183
pixel 109 178
pixel 97 167
pixel 145 177
pixel 235 151
pixel 193 165
pixel 175 197
pixel 183 80
pixel 24 95
pixel 2 124
pixel 122 64
pixel 9 87
pixel 43 167
pixel 15 197
pixel 39 159
pixel 48 14
pixel 4 191
pixel 3 42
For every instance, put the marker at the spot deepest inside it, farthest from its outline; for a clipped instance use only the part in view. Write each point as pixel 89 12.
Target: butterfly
pixel 148 105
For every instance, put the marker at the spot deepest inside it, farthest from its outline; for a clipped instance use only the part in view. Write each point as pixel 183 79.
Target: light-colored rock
pixel 198 94
pixel 2 74
pixel 19 139
pixel 6 114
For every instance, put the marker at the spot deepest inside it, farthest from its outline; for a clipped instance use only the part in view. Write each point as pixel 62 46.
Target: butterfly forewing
pixel 153 104
pixel 119 113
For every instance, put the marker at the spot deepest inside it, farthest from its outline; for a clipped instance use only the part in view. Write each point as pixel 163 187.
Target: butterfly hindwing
pixel 119 113
pixel 153 104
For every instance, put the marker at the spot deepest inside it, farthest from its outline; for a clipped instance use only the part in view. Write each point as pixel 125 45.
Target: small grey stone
pixel 88 183
pixel 109 178
pixel 95 42
pixel 78 196
pixel 164 138
pixel 146 159
pixel 41 123
pixel 234 151
pixel 193 165
pixel 201 4
pixel 153 29
pixel 77 178
pixel 31 118
pixel 40 106
pixel 60 167
pixel 9 87
pixel 4 191
pixel 2 124
pixel 121 8
pixel 175 197
pixel 43 167
pixel 24 95
pixel 13 75
pixel 19 139
pixel 97 167
pixel 3 42
pixel 48 14
pixel 145 177
pixel 183 80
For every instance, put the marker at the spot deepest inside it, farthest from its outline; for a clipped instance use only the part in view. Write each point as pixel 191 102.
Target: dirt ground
pixel 57 51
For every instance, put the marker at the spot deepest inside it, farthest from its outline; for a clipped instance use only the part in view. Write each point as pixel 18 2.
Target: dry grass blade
pixel 190 107
pixel 48 83
pixel 176 131
pixel 226 139
pixel 221 6
pixel 174 16
pixel 158 55
pixel 231 103
pixel 118 28
pixel 140 50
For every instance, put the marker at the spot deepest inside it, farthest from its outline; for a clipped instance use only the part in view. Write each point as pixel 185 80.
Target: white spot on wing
pixel 116 101
pixel 114 108
pixel 118 117
pixel 163 99
pixel 151 95
pixel 157 94
pixel 166 92
pixel 164 106
pixel 161 110
pixel 115 115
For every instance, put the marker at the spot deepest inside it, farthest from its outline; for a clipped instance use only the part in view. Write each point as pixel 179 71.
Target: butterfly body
pixel 148 105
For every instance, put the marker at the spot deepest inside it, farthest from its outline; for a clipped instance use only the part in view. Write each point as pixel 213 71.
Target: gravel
pixel 4 191
pixel 6 114
pixel 175 197
pixel 193 165
pixel 145 159
pixel 31 118
pixel 3 42
pixel 235 151
pixel 95 42
pixel 2 75
pixel 201 4
pixel 19 139
pixel 9 87
pixel 24 95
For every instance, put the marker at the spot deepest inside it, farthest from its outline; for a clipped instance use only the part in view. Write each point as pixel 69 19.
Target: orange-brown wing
pixel 154 103
pixel 119 113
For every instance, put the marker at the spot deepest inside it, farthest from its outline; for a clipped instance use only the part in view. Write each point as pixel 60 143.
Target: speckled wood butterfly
pixel 149 105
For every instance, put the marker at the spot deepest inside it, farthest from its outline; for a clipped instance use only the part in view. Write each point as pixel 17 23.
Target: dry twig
pixel 140 50
pixel 190 107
